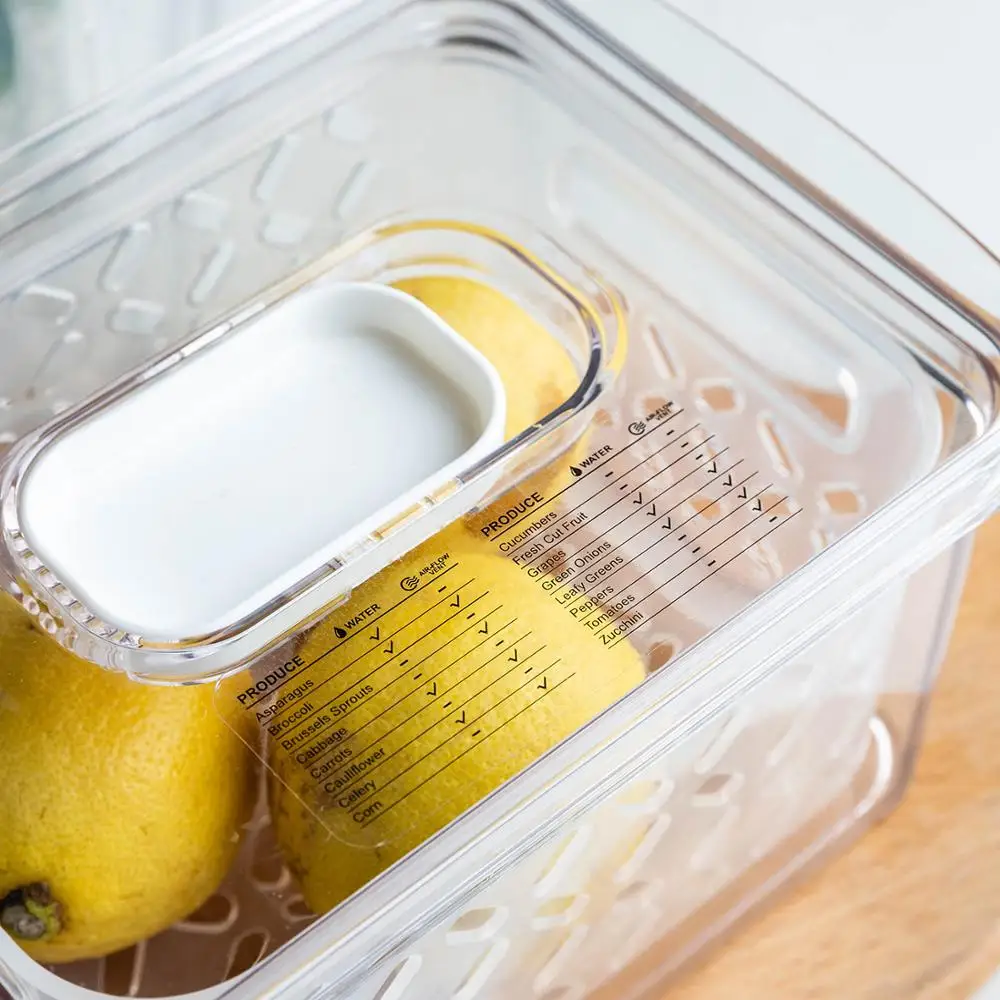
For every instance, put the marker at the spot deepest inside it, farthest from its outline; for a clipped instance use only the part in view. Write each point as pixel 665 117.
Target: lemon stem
pixel 30 913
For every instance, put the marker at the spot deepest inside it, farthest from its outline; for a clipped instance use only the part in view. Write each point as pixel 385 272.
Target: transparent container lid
pixel 196 513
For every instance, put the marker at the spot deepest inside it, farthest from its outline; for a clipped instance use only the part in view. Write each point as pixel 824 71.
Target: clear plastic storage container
pixel 484 499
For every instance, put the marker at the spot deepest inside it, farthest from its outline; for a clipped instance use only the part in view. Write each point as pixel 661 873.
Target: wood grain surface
pixel 912 910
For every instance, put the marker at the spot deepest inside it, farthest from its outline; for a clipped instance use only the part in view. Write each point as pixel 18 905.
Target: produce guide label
pixel 496 619
pixel 639 526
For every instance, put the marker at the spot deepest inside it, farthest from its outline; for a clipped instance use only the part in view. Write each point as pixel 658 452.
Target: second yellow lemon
pixel 535 369
pixel 458 670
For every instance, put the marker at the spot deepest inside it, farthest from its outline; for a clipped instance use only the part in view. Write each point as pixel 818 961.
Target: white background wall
pixel 917 80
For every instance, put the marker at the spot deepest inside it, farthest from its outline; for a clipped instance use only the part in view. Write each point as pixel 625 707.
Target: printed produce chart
pixel 449 660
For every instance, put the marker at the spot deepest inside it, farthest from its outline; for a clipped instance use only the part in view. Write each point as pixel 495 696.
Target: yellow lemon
pixel 120 803
pixel 445 675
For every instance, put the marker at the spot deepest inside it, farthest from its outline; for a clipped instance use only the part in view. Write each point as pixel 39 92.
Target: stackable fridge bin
pixel 777 281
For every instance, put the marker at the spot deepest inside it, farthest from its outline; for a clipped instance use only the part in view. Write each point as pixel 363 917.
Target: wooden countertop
pixel 912 911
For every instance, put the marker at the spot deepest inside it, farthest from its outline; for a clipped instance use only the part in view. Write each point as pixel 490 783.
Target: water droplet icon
pixel 575 471
pixel 339 632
